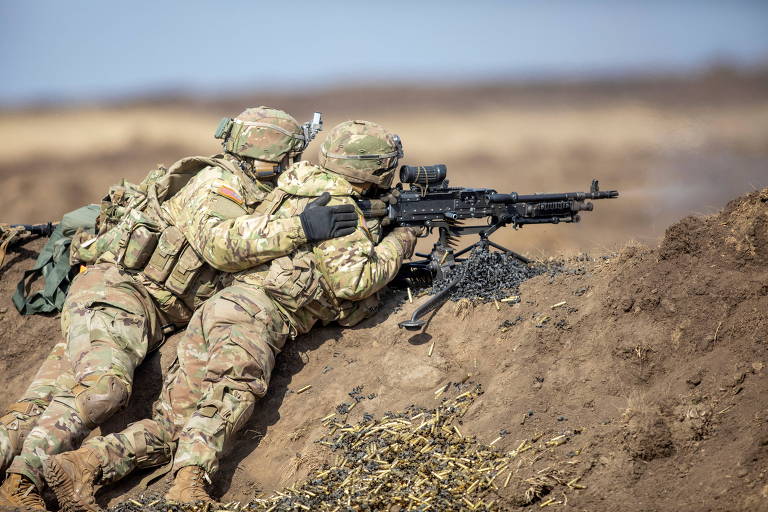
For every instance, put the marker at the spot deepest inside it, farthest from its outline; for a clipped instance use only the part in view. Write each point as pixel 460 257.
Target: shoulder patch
pixel 231 194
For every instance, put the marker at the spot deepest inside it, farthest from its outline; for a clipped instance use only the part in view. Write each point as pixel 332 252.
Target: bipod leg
pixel 466 249
pixel 415 323
pixel 512 253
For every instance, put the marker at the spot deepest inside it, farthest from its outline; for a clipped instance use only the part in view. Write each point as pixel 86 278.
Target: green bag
pixel 53 265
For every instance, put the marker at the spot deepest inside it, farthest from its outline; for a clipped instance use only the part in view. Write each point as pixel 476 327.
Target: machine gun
pixel 35 229
pixel 430 203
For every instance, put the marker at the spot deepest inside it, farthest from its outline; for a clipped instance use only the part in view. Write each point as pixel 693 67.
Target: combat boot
pixel 189 486
pixel 71 476
pixel 19 491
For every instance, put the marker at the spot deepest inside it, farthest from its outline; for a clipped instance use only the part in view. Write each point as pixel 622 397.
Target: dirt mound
pixel 634 381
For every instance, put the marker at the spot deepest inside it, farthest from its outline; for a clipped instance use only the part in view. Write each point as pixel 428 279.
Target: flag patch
pixel 230 194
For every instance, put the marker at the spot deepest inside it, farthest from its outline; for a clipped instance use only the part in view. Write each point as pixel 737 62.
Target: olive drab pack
pixel 53 265
pixel 79 238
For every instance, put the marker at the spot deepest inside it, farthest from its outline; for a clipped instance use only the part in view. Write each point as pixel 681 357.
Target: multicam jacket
pixel 335 279
pixel 184 231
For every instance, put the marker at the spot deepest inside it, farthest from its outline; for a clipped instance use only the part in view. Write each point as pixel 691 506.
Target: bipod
pixel 450 260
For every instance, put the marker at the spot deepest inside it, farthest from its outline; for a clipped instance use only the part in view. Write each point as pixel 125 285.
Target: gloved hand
pixel 416 231
pixel 407 237
pixel 322 222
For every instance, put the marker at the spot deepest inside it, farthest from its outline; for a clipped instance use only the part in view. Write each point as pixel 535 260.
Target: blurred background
pixel 666 101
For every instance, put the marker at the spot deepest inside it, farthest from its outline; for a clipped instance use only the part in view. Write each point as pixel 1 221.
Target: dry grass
pixel 666 160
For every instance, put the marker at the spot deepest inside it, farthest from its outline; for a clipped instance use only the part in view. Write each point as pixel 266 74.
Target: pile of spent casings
pixel 414 460
pixel 418 459
pixel 489 275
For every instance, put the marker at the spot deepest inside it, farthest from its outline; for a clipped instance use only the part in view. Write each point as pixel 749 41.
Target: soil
pixel 651 362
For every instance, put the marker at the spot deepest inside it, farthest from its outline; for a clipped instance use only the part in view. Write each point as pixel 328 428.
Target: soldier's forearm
pixel 251 240
pixel 371 274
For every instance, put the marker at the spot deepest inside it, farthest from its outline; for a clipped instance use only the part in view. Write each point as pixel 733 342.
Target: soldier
pixel 169 252
pixel 227 354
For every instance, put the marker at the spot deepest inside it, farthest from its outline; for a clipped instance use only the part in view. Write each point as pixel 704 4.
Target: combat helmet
pixel 362 152
pixel 267 134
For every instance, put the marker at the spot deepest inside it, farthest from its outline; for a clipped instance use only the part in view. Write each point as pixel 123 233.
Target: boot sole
pixel 61 485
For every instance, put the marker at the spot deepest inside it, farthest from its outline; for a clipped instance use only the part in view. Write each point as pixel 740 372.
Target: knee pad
pixel 98 402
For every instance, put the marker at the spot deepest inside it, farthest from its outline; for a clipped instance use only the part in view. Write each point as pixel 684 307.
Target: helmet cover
pixel 362 152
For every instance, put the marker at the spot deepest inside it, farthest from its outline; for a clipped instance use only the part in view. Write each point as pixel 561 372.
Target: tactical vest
pixel 152 247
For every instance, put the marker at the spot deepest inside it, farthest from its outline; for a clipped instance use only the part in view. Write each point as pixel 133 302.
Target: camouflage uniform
pixel 113 317
pixel 162 251
pixel 227 354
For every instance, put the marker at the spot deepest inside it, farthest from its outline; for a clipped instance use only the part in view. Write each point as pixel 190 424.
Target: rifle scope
pixel 423 174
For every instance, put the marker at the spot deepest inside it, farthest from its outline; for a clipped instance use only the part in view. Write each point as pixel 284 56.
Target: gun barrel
pixel 543 198
pixel 565 196
pixel 36 229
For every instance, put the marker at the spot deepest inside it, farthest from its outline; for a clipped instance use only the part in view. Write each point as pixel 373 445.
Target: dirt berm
pixel 651 363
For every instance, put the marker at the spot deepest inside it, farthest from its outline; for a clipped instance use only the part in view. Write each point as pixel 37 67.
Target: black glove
pixel 322 222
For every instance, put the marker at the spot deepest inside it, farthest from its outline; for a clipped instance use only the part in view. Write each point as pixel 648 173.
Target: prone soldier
pixel 227 354
pixel 173 245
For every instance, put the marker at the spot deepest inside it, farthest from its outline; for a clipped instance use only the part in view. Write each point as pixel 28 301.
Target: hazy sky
pixel 75 49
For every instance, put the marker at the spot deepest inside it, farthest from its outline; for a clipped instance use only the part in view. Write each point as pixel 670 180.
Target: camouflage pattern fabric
pixel 252 324
pixel 22 416
pixel 237 337
pixel 358 265
pixel 265 134
pixel 218 226
pixel 224 364
pixel 361 151
pixel 110 323
pixel 227 354
pixel 113 317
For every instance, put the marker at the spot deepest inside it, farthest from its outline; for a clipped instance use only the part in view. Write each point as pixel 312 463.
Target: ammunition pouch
pixel 163 259
pixel 138 241
pixel 184 273
pixel 296 283
pixel 167 259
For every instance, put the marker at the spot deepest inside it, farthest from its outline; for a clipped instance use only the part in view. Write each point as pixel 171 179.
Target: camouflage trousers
pixel 109 322
pixel 22 415
pixel 224 363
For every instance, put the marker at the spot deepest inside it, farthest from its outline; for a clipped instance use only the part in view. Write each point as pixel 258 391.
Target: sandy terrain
pixel 654 369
